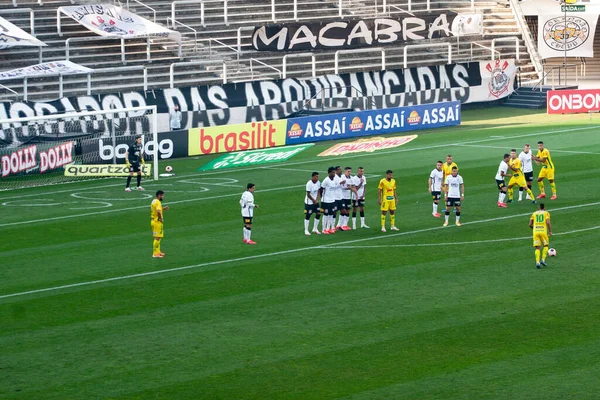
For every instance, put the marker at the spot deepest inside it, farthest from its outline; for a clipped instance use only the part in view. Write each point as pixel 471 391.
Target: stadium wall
pixel 217 105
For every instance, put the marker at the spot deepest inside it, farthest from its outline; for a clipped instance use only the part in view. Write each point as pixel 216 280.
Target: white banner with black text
pixel 113 21
pixel 13 36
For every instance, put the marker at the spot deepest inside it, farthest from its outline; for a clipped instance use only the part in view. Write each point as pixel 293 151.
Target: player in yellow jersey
pixel 518 178
pixel 547 171
pixel 388 199
pixel 447 167
pixel 540 223
pixel 156 214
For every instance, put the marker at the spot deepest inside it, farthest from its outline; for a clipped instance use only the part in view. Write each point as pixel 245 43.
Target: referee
pixel 133 158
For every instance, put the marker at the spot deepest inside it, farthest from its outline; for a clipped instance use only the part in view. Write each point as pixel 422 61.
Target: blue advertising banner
pixel 372 122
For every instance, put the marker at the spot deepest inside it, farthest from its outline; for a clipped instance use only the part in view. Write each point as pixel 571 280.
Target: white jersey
pixel 359 188
pixel 436 180
pixel 313 189
pixel 526 161
pixel 503 167
pixel 453 183
pixel 329 188
pixel 346 192
pixel 247 203
pixel 338 189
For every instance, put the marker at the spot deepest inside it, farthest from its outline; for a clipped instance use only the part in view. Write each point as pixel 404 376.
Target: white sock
pixel 245 233
pixel 331 222
pixel 520 195
pixel 353 222
pixel 457 218
pixel 501 197
pixel 345 221
pixel 249 233
pixel 446 217
pixel 339 220
pixel 435 206
pixel 306 224
pixel 316 225
pixel 362 221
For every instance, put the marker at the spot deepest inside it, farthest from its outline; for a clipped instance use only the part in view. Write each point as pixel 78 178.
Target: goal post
pixel 35 150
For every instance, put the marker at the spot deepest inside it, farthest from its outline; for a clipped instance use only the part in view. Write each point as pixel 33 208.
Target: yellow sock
pixel 530 193
pixel 393 220
pixel 541 186
pixel 553 186
pixel 383 221
pixel 537 256
pixel 155 247
pixel 510 193
pixel 544 253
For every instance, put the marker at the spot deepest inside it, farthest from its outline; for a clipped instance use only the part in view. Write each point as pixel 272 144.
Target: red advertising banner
pixel 573 101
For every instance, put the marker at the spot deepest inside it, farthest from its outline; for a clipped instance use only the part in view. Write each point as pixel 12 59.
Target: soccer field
pixel 423 313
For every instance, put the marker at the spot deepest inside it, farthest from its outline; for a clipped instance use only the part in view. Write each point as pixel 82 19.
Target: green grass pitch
pixel 423 313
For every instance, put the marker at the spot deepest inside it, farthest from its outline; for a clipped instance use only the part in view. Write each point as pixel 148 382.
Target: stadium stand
pixel 217 46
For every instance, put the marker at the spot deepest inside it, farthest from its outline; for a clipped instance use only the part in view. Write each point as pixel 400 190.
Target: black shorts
pixel 345 204
pixel 247 220
pixel 358 203
pixel 134 167
pixel 328 208
pixel 436 195
pixel 500 184
pixel 453 202
pixel 338 205
pixel 312 208
pixel 529 176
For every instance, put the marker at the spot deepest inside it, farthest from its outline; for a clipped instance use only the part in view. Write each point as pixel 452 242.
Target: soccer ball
pixel 551 252
pixel 169 168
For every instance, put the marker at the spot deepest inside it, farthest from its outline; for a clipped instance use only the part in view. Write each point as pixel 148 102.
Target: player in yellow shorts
pixel 547 171
pixel 156 223
pixel 388 199
pixel 518 178
pixel 540 223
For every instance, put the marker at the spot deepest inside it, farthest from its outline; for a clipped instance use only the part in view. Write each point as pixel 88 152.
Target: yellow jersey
pixel 448 169
pixel 515 165
pixel 155 208
pixel 546 154
pixel 388 188
pixel 539 219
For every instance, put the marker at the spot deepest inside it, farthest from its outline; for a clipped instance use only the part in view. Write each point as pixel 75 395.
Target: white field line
pixel 324 159
pixel 506 149
pixel 460 243
pixel 140 207
pixel 277 253
pixel 466 223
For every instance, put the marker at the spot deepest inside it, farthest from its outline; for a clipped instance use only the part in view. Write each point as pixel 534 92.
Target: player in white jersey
pixel 502 169
pixel 311 203
pixel 525 157
pixel 348 190
pixel 328 189
pixel 436 180
pixel 338 196
pixel 455 194
pixel 358 198
pixel 248 206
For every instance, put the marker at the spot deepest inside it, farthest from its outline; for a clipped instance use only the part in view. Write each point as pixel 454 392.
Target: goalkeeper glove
pixel 127 163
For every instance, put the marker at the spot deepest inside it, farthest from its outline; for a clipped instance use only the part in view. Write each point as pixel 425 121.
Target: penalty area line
pixel 461 243
pixel 265 255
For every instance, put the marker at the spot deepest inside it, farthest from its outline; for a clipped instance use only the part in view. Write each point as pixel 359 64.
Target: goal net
pixel 45 150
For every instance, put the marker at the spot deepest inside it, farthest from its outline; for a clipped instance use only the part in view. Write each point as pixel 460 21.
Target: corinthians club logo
pixel 572 32
pixel 500 80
